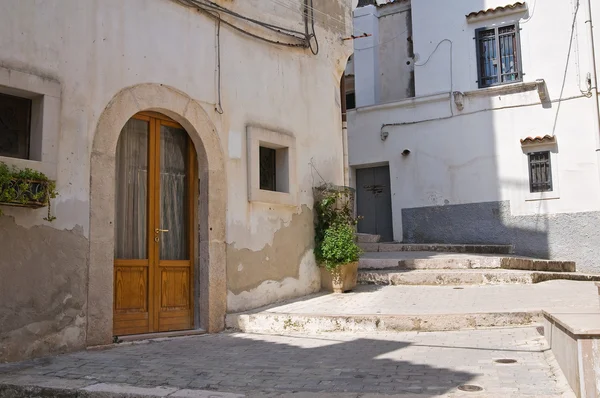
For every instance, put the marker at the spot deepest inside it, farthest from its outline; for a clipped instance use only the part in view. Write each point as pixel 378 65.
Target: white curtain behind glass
pixel 132 191
pixel 173 193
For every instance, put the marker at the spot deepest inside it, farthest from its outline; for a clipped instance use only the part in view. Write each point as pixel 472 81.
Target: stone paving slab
pixel 335 365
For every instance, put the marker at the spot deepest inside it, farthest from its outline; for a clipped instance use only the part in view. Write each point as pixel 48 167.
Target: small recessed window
pixel 268 169
pixel 15 125
pixel 350 100
pixel 540 172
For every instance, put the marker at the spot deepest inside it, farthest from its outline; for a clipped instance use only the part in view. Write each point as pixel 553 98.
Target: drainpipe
pixel 594 78
pixel 344 131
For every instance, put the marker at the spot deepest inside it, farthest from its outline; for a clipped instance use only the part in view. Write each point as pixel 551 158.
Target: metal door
pixel 374 202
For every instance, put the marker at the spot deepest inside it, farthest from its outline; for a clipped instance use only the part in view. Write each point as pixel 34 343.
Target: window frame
pixel 478 54
pixel 286 185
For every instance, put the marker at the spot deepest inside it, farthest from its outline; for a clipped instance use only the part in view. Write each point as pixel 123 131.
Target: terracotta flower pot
pixel 342 279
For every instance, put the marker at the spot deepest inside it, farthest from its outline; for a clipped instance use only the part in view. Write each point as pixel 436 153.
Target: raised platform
pixel 574 337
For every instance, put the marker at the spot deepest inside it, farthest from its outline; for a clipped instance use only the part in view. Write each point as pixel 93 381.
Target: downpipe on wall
pixel 594 77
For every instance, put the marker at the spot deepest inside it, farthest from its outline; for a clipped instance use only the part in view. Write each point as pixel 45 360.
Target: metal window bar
pixel 540 172
pixel 498 55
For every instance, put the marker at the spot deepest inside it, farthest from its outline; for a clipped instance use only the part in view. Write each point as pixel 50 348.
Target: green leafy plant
pixel 334 227
pixel 26 188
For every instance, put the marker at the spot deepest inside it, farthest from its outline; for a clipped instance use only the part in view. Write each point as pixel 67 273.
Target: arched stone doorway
pixel 210 261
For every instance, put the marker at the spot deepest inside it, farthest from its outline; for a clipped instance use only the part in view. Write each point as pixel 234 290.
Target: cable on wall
pixel 213 10
pixel 451 68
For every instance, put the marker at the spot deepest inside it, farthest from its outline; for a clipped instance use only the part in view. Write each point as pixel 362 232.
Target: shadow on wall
pixel 232 362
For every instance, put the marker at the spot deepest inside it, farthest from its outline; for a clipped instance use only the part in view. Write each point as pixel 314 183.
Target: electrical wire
pixel 382 43
pixel 530 15
pixel 451 68
pixel 207 8
pixel 292 6
pixel 219 106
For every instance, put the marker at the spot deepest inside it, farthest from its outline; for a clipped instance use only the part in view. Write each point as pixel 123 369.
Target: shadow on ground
pixel 246 363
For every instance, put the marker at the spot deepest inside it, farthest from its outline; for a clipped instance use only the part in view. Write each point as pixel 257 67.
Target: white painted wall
pixel 95 48
pixel 474 155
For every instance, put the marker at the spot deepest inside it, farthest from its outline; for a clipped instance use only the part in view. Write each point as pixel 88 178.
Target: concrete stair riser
pixel 445 277
pixel 292 324
pixel 447 248
pixel 367 238
pixel 429 261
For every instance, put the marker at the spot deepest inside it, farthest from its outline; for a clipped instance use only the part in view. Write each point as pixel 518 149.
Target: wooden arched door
pixel 154 233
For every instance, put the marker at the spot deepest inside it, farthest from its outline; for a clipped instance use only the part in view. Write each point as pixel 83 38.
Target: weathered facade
pixel 492 93
pixel 89 68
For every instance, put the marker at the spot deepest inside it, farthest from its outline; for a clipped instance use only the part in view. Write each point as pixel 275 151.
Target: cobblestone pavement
pixel 428 364
pixel 390 300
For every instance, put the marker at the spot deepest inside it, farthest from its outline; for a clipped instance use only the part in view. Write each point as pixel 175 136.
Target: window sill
pixel 531 197
pixel 272 197
pixel 509 88
pixel 49 169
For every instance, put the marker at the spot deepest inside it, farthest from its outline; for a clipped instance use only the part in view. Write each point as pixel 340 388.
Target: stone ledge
pixel 436 247
pixel 578 324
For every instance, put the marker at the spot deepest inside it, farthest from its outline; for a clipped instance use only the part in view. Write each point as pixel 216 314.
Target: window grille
pixel 540 172
pixel 498 55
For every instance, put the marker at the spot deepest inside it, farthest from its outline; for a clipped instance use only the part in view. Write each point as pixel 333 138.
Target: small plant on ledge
pixel 335 248
pixel 26 188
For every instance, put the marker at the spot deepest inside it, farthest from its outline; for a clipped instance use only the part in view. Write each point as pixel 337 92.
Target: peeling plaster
pixel 270 291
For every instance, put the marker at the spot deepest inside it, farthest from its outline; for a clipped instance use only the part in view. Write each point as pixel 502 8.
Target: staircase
pixel 451 264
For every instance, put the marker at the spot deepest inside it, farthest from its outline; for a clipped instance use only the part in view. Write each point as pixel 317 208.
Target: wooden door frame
pixel 212 199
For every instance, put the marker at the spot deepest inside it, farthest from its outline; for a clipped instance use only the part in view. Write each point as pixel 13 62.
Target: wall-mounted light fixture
pixel 406 152
pixel 384 135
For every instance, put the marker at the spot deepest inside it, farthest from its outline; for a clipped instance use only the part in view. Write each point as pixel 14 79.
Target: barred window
pixel 498 55
pixel 540 172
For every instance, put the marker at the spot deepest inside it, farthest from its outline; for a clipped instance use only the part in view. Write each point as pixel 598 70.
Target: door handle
pixel 158 230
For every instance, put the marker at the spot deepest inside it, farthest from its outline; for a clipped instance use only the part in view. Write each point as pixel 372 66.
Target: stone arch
pixel 212 200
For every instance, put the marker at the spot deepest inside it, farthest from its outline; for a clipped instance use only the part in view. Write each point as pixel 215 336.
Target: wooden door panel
pixel 131 289
pixel 175 288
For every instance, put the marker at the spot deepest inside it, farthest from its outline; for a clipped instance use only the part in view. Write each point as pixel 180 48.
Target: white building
pixel 484 115
pixel 183 137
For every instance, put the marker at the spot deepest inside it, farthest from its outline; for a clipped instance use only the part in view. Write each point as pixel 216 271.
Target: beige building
pixel 185 138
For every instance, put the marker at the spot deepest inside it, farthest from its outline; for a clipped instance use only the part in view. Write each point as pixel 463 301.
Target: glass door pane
pixel 131 229
pixel 173 193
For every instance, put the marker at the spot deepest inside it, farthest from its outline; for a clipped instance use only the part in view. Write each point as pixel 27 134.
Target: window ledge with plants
pixel 26 188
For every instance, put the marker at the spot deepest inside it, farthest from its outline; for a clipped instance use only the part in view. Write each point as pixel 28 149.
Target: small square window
pixel 271 166
pixel 15 126
pixel 540 172
pixel 498 55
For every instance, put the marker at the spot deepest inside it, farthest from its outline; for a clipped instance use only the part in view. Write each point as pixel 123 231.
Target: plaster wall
pixel 97 49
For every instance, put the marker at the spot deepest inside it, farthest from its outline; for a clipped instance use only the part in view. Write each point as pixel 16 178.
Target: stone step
pixel 435 247
pixel 367 238
pixel 435 260
pixel 465 277
pixel 270 323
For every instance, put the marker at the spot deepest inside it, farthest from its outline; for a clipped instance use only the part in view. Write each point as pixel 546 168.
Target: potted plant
pixel 335 248
pixel 26 188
